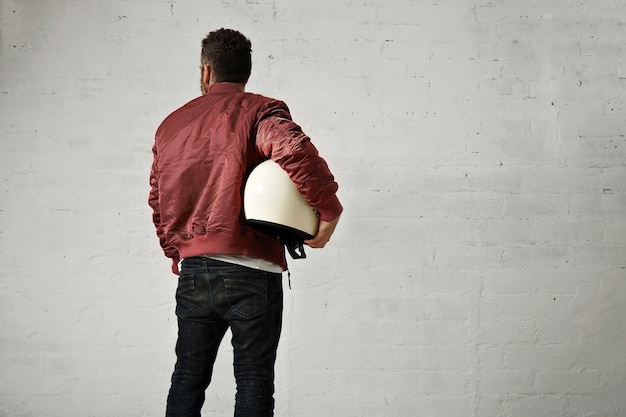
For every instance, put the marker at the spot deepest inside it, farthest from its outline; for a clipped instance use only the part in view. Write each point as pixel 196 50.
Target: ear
pixel 205 78
pixel 206 74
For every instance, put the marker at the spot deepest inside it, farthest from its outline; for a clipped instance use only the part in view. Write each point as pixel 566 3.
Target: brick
pixel 522 307
pixel 502 281
pixel 570 231
pixel 502 382
pixel 598 405
pixel 534 406
pixel 497 231
pixel 530 358
pixel 567 382
pixel 503 330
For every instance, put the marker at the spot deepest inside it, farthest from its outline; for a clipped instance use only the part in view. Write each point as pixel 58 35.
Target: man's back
pixel 205 150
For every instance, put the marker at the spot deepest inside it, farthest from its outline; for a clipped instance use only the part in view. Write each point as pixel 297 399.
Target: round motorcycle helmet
pixel 273 204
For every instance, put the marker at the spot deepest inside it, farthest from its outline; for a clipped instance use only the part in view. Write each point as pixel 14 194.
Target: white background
pixel 479 268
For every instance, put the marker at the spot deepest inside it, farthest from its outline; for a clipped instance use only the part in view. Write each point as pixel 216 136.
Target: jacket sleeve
pixel 153 201
pixel 279 138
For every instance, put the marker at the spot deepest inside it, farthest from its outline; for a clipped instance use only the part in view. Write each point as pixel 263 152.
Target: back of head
pixel 229 54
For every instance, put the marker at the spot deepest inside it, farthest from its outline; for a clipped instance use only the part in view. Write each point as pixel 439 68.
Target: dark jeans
pixel 212 296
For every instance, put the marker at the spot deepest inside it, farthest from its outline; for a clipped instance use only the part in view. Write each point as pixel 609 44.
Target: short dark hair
pixel 229 53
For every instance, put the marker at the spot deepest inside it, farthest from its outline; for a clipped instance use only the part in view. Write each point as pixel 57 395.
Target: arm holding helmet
pixel 281 139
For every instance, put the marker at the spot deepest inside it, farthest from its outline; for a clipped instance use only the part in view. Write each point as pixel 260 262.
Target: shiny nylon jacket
pixel 203 153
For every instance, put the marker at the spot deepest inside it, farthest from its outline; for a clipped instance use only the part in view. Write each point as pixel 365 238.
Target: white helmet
pixel 272 202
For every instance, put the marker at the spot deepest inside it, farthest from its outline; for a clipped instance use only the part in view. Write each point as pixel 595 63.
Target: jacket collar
pixel 224 88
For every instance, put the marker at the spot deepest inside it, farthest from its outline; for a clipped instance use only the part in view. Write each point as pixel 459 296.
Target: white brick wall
pixel 479 268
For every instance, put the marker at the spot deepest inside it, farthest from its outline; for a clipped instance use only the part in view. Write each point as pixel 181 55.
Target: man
pixel 229 273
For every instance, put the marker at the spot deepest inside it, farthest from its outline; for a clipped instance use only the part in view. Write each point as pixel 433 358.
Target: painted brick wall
pixel 479 268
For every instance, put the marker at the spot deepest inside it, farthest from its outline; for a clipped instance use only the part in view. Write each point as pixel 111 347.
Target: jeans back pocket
pixel 246 293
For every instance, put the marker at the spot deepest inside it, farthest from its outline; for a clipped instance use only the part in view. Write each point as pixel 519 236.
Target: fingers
pixel 324 233
pixel 316 242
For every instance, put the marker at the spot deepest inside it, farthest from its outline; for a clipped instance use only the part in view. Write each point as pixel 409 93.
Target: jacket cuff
pixel 175 261
pixel 331 209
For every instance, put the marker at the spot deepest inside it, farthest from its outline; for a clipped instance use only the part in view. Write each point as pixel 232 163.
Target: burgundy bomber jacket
pixel 203 153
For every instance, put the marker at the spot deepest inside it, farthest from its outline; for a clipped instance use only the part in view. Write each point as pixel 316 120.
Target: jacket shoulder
pixel 174 116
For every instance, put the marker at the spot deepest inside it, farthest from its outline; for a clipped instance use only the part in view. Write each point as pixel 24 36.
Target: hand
pixel 324 232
